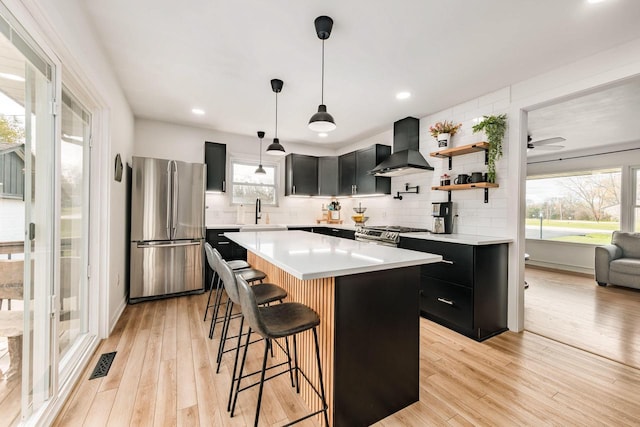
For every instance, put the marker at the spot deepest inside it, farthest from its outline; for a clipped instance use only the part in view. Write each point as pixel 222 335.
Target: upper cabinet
pixel 354 171
pixel 328 173
pixel 301 175
pixel 346 175
pixel 215 156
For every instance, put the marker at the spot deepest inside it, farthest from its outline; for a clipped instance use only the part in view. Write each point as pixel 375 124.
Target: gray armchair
pixel 619 262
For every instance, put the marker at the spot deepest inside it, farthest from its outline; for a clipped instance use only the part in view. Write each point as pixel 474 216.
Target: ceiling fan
pixel 542 144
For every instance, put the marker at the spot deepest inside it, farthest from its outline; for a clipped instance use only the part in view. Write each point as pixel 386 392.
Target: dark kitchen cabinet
pixel 215 156
pixel 328 174
pixel 467 291
pixel 354 171
pixel 228 250
pixel 301 175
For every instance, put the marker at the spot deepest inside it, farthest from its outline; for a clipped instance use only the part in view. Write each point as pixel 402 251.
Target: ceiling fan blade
pixel 548 141
pixel 549 147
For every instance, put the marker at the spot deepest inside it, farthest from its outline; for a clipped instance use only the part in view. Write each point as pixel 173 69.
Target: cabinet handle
pixel 294 189
pixel 446 261
pixel 221 235
pixel 355 189
pixel 445 301
pixel 224 186
pixel 223 243
pixel 335 229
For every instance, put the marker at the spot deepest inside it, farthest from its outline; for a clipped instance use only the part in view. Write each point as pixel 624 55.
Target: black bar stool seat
pixel 267 293
pixel 287 319
pixel 252 275
pixel 238 264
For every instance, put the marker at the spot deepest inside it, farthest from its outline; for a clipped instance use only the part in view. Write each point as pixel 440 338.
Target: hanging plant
pixel 494 127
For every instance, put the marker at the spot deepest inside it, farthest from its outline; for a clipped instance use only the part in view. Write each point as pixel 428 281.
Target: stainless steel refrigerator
pixel 167 228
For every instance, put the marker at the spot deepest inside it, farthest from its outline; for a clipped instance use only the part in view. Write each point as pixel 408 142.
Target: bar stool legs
pixel 267 347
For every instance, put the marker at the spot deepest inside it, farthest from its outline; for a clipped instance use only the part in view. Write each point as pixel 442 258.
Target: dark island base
pixel 377 345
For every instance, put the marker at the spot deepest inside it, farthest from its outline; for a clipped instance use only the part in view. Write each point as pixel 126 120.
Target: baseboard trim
pixel 580 271
pixel 116 316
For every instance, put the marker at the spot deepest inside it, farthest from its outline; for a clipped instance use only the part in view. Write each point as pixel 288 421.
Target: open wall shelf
pixel 465 149
pixel 485 185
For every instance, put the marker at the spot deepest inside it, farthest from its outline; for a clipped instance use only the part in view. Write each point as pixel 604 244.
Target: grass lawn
pixel 592 239
pixel 602 225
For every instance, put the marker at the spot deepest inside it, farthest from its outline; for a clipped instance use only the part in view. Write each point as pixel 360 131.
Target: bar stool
pixel 235 265
pixel 264 293
pixel 251 275
pixel 273 322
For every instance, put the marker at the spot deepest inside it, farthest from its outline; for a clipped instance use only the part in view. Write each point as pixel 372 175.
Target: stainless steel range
pixel 384 235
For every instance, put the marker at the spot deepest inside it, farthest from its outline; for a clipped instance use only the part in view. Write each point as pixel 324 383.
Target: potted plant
pixel 494 128
pixel 443 131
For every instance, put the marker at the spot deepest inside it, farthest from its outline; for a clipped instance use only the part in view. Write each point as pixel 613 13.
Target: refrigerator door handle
pixel 169 201
pixel 168 244
pixel 174 204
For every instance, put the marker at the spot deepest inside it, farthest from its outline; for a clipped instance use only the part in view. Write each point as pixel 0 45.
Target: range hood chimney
pixel 406 158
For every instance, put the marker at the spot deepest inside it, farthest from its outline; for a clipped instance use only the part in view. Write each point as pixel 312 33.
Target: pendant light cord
pixel 322 90
pixel 276 114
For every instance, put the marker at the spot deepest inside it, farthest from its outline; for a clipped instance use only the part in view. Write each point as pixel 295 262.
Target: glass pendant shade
pixel 322 121
pixel 276 149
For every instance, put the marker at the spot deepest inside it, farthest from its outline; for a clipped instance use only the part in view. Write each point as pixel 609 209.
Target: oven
pixel 384 235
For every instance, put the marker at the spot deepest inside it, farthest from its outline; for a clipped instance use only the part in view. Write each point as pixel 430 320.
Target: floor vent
pixel 103 365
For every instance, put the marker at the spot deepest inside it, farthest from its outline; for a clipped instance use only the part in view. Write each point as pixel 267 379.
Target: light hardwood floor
pixel 163 375
pixel 573 309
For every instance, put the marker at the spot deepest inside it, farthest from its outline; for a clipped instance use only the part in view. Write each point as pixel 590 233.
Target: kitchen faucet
pixel 258 210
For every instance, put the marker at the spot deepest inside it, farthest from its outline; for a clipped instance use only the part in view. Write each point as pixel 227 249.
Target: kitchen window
pixel 247 186
pixel 580 207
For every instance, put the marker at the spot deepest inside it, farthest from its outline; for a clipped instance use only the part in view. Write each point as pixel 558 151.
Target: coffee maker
pixel 442 218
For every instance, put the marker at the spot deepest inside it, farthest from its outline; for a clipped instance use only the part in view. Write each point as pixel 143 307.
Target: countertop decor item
pixel 359 217
pixel 322 121
pixel 443 131
pixel 276 148
pixel 494 127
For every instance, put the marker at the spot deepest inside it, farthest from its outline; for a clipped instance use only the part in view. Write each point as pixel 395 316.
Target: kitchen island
pixel 367 299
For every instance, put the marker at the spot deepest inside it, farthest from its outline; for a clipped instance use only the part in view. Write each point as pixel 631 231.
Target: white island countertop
pixel 313 256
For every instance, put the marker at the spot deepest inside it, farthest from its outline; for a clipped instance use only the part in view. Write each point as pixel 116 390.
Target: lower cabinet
pixel 228 249
pixel 467 291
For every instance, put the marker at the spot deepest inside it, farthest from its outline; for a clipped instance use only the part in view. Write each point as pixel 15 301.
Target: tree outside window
pixel 582 207
pixel 247 186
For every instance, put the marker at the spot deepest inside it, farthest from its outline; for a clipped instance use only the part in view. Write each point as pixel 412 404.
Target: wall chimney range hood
pixel 406 159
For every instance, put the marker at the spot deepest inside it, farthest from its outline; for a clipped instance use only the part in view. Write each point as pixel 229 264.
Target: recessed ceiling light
pixel 11 77
pixel 403 95
pixel 198 111
pixel 323 134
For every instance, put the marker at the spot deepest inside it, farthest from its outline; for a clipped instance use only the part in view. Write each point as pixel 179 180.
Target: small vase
pixel 443 140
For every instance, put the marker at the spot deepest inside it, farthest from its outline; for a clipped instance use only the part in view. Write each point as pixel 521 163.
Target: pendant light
pixel 260 169
pixel 275 148
pixel 322 121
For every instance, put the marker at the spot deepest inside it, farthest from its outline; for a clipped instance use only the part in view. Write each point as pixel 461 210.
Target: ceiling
pixel 220 56
pixel 593 121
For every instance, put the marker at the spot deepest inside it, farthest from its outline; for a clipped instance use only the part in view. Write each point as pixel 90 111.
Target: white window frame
pixel 254 163
pixel 634 201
